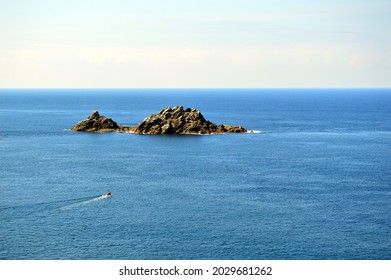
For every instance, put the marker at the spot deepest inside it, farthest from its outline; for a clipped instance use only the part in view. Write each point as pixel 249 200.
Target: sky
pixel 195 44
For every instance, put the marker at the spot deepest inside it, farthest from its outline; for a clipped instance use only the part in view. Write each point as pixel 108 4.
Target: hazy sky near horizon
pixel 195 43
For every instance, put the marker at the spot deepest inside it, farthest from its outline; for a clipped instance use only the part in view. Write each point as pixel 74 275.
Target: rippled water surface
pixel 315 184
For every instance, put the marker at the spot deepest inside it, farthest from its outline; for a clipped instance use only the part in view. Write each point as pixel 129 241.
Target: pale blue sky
pixel 195 43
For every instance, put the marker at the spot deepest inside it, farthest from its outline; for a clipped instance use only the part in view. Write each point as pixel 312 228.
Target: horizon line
pixel 186 88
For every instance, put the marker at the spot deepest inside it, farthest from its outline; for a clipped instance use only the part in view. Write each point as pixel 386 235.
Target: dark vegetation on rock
pixel 168 121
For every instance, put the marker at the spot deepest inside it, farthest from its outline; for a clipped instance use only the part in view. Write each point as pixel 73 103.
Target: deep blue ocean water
pixel 315 184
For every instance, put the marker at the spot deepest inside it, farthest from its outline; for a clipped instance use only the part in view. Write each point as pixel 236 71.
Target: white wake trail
pixel 254 131
pixel 74 205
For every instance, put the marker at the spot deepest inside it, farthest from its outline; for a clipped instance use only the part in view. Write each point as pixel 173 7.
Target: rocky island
pixel 176 120
pixel 97 123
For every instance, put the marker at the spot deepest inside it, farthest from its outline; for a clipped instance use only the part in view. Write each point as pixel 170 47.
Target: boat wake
pixel 78 204
pixel 32 209
pixel 254 131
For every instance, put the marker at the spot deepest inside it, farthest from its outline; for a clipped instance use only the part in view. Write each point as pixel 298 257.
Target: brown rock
pixel 182 121
pixel 168 121
pixel 96 123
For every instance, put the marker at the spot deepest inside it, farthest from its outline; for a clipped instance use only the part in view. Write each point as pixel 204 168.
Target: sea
pixel 312 182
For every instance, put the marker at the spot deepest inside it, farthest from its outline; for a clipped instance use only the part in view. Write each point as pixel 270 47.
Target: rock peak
pixel 93 115
pixel 96 123
pixel 178 120
pixel 175 120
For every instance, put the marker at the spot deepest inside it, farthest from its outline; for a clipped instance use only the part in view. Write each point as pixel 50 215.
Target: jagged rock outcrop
pixel 168 121
pixel 96 123
pixel 182 121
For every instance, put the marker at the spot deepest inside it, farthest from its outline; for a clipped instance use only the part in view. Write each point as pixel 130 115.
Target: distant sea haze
pixel 315 184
